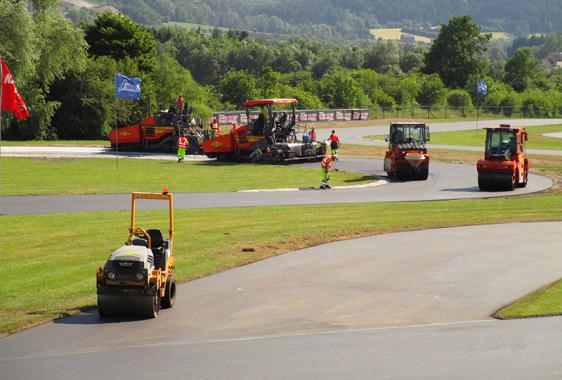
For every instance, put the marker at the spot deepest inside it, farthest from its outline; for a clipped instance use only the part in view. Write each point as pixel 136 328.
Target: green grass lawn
pixel 544 301
pixel 49 261
pixel 95 143
pixel 477 137
pixel 29 176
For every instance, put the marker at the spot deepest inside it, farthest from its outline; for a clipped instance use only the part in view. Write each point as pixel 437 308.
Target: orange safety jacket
pixel 334 137
pixel 182 142
pixel 313 135
pixel 327 162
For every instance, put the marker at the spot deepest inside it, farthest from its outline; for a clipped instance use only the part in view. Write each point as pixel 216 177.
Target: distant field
pixel 500 35
pixel 395 34
pixel 192 26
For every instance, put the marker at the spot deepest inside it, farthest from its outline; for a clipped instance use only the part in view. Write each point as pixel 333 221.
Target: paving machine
pixel 406 156
pixel 138 278
pixel 269 136
pixel 159 132
pixel 505 165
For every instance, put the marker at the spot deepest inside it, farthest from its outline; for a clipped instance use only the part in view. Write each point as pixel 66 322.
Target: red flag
pixel 11 99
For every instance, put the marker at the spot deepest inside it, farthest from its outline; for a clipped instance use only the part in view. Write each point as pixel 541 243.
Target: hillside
pixel 343 18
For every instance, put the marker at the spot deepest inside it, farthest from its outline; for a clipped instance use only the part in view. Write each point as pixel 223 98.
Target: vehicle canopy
pixel 503 141
pixel 408 133
pixel 262 102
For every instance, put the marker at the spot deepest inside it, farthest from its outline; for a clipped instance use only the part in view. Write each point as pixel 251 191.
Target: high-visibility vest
pixel 182 142
pixel 313 135
pixel 334 137
pixel 327 162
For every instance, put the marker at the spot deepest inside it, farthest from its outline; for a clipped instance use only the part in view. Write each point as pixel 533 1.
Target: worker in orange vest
pixel 180 103
pixel 312 135
pixel 182 147
pixel 326 166
pixel 334 143
pixel 214 127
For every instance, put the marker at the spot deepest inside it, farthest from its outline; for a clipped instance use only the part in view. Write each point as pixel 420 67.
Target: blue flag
pixel 481 87
pixel 127 87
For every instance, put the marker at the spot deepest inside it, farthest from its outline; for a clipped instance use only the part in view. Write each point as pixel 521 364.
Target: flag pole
pixel 116 128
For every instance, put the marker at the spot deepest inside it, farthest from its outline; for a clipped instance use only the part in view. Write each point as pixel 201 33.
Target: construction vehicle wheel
pixel 483 184
pixel 424 172
pixel 102 309
pixel 169 298
pixel 151 306
pixel 514 180
pixel 389 174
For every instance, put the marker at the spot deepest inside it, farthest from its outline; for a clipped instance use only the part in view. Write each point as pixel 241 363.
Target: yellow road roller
pixel 138 278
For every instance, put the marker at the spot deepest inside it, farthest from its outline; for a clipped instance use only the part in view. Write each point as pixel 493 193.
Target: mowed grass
pixel 49 261
pixel 29 176
pixel 93 143
pixel 477 137
pixel 543 302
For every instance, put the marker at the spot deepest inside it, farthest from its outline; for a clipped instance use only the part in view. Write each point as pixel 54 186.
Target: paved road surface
pixel 405 305
pixel 352 135
pixel 446 181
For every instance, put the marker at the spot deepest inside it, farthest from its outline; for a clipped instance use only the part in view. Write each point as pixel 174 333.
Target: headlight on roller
pixel 111 276
pixel 140 276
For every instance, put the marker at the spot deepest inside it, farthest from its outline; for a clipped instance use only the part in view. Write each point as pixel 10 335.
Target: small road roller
pixel 138 278
pixel 406 156
pixel 505 165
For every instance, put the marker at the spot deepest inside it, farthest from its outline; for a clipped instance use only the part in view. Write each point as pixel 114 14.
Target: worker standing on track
pixel 182 147
pixel 326 166
pixel 214 127
pixel 334 143
pixel 180 103
pixel 312 135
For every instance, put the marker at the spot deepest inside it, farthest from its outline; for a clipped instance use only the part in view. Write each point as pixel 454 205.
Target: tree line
pixel 339 18
pixel 65 72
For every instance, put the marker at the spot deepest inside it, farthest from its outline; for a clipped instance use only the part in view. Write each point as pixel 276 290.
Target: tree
pixel 237 87
pixel 86 98
pixel 458 52
pixel 117 36
pixel 411 58
pixel 460 99
pixel 382 56
pixel 338 89
pixel 432 91
pixel 43 47
pixel 522 69
pixel 306 100
pixel 268 85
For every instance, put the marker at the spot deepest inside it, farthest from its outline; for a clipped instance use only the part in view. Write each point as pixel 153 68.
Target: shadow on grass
pixel 364 178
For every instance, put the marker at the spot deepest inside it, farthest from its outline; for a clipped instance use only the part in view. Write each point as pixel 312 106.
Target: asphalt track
pixel 446 181
pixel 406 305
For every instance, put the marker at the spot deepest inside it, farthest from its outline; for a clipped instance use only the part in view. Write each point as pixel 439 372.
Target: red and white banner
pixel 11 99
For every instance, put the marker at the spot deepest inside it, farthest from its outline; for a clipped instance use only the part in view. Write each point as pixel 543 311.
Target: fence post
pixel 412 112
pixel 445 111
